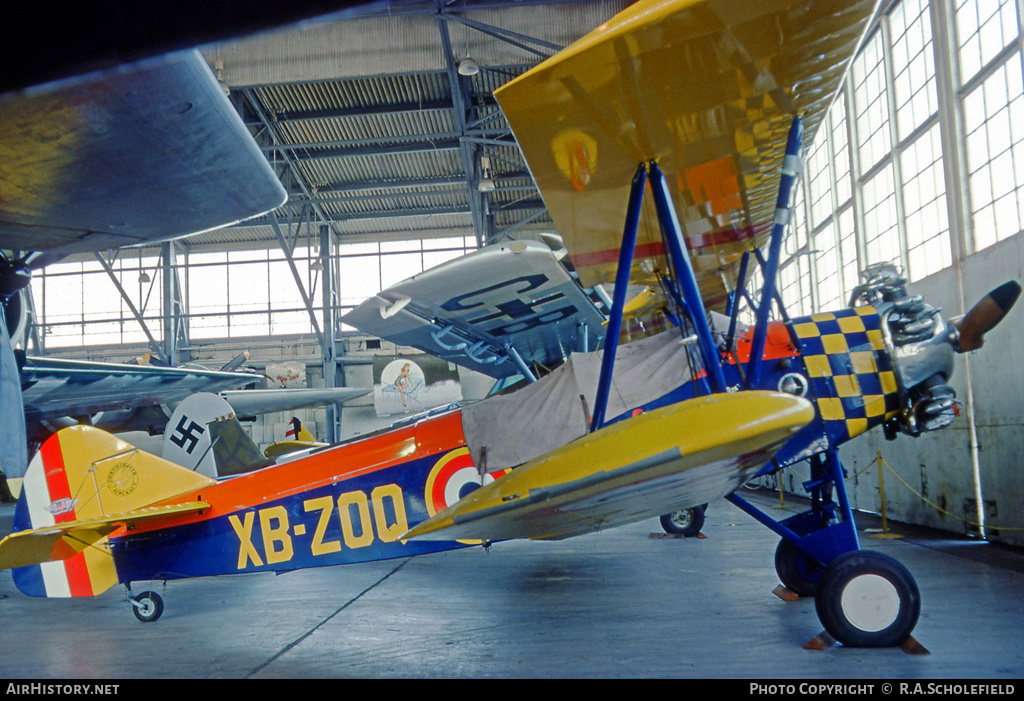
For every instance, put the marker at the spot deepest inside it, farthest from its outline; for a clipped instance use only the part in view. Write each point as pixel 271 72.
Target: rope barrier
pixel 880 461
pixel 920 496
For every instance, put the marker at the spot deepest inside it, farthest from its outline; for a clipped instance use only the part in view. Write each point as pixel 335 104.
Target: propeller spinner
pixel 985 315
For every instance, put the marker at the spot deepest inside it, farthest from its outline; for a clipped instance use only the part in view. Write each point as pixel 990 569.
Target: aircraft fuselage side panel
pixel 354 502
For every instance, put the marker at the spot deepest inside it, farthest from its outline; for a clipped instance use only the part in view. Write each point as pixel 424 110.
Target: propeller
pixel 14 277
pixel 985 315
pixel 15 274
pixel 236 362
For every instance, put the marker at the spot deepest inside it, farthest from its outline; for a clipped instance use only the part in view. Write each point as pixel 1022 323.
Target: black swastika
pixel 190 434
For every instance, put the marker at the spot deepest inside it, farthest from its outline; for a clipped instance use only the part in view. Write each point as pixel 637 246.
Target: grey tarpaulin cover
pixel 506 431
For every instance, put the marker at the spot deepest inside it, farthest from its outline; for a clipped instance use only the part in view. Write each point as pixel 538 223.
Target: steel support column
pixel 469 152
pixel 328 348
pixel 175 319
pixel 153 345
pixel 283 243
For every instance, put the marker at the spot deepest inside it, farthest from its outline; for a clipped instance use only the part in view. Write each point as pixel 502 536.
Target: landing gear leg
pixel 863 598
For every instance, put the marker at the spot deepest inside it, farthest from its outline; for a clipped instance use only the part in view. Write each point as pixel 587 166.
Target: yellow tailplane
pixel 81 486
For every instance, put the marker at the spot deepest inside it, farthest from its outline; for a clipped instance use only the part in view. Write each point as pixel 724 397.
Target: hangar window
pixel 928 116
pixel 77 304
pixel 236 294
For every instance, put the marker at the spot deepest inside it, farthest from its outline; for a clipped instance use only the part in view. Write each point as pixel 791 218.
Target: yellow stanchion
pixel 881 490
pixel 782 494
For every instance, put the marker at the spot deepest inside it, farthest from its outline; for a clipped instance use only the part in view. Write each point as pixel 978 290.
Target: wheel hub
pixel 871 603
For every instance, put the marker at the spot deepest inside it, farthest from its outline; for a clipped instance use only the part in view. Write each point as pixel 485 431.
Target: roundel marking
pixel 452 477
pixel 448 479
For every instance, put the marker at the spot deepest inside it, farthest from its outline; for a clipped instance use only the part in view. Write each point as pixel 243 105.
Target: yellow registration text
pixel 363 520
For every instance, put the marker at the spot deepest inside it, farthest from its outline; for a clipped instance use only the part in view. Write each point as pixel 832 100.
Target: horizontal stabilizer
pixel 63 540
pixel 247 402
pixel 81 487
pixel 282 448
pixel 681 455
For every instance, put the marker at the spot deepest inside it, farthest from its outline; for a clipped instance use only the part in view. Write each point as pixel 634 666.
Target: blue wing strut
pixel 827 530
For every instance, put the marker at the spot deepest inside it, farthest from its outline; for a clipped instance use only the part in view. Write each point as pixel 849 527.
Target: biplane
pixel 666 144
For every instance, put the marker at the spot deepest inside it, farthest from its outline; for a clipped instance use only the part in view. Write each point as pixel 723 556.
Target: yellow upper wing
pixel 709 89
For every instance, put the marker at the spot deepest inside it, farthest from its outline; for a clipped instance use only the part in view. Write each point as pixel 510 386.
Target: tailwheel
pixel 684 522
pixel 867 599
pixel 798 572
pixel 147 606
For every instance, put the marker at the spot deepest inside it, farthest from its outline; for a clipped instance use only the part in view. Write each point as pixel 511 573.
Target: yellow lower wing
pixel 675 457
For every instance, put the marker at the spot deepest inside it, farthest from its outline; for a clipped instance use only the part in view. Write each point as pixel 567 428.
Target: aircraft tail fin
pixel 297 432
pixel 83 485
pixel 205 436
pixel 233 450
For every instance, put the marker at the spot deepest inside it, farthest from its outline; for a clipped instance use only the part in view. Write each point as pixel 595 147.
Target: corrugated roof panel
pixel 395 90
pixel 375 168
pixel 403 43
pixel 370 130
pixel 363 123
pixel 455 224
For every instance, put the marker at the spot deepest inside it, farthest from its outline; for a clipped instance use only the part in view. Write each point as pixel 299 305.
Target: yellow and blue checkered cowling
pixel 849 369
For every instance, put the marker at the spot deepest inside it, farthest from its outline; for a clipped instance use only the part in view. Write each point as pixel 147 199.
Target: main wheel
pixel 684 522
pixel 797 571
pixel 867 599
pixel 147 606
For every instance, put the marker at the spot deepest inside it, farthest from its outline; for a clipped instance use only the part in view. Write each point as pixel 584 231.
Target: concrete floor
pixel 614 604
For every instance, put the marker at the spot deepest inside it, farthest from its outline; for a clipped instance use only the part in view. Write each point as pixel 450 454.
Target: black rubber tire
pixel 150 606
pixel 684 522
pixel 867 599
pixel 798 572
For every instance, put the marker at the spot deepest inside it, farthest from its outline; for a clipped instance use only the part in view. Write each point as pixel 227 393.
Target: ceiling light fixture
pixel 218 69
pixel 143 275
pixel 468 66
pixel 486 184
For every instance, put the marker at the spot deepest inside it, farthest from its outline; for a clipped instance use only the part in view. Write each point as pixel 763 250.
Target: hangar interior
pixel 383 128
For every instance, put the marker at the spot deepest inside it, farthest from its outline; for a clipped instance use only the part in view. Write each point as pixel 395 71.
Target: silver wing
pixel 498 310
pixel 147 153
pixel 54 388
